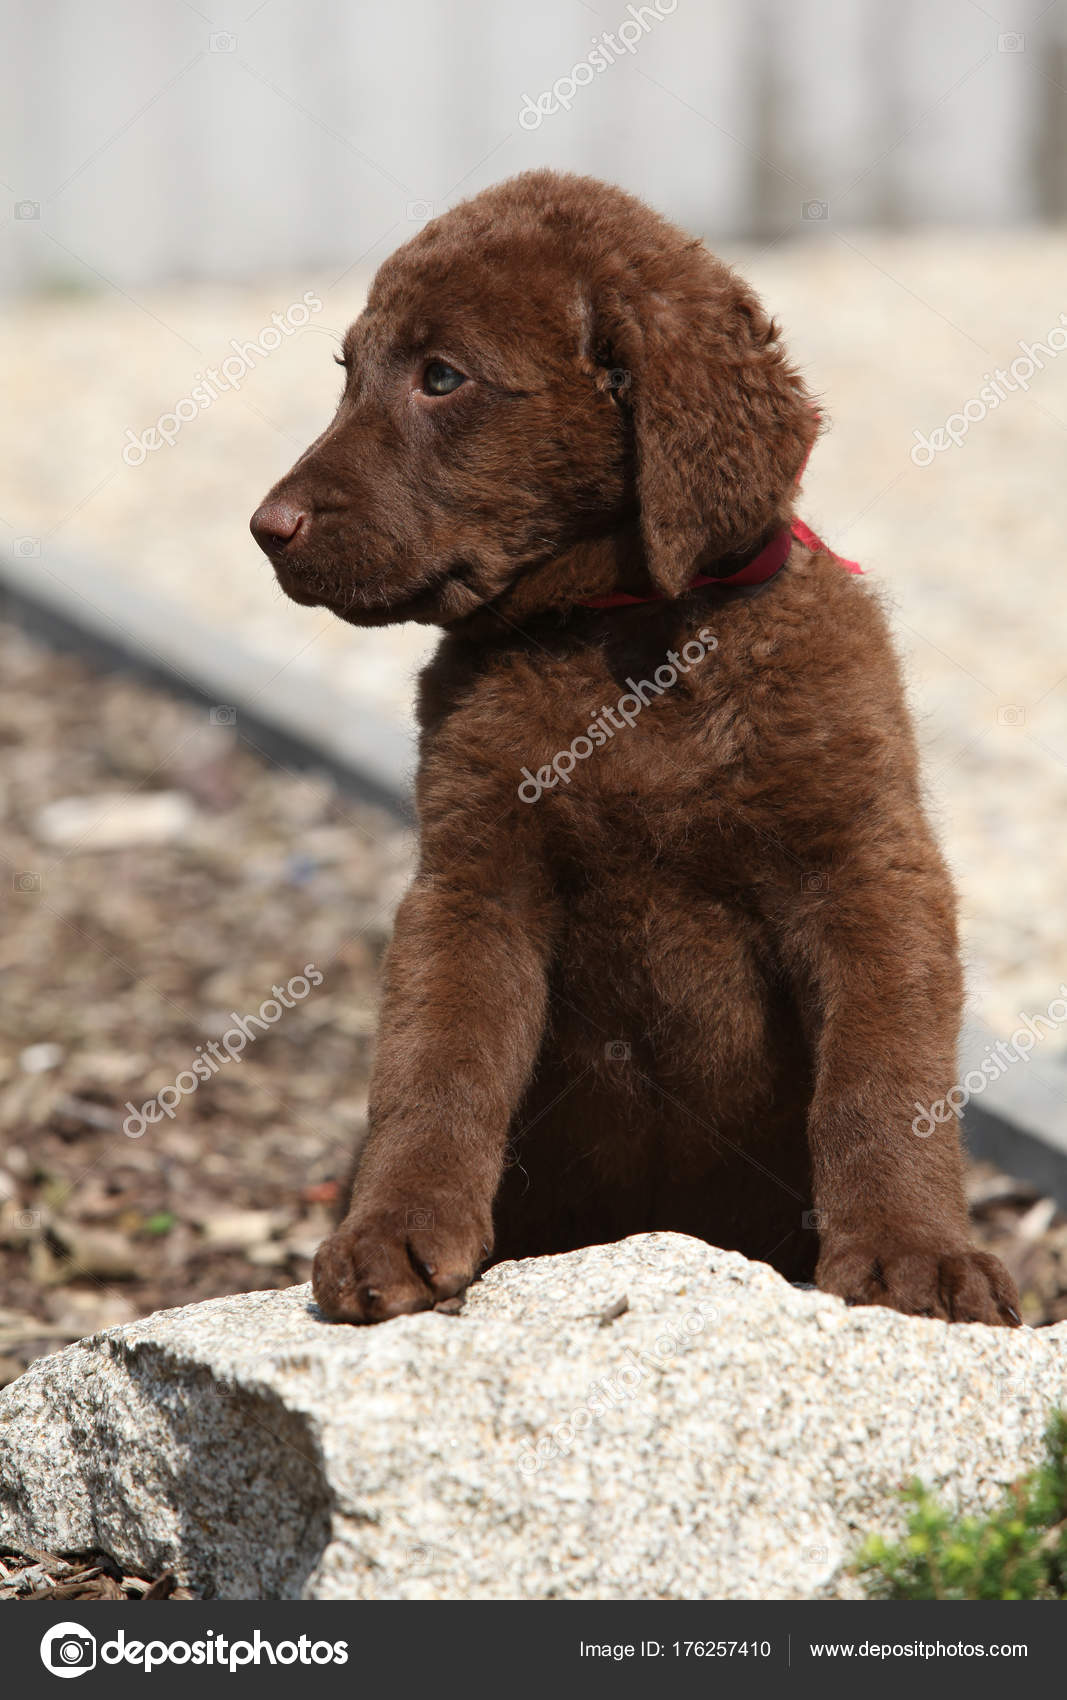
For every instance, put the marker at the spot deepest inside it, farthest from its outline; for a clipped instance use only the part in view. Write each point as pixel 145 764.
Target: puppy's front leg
pixel 880 946
pixel 461 1025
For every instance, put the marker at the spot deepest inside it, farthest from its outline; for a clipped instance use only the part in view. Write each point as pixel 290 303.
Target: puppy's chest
pixel 628 752
pixel 598 736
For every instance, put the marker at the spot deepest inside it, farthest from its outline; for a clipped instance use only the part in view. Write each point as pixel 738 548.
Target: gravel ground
pixel 183 879
pixel 896 333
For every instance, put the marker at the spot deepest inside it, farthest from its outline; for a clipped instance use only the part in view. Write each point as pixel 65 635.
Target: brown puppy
pixel 681 952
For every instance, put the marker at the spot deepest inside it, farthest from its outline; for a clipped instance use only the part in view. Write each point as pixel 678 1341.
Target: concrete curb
pixel 80 606
pixel 1020 1121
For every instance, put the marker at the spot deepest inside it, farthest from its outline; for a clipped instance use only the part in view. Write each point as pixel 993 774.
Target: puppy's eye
pixel 439 379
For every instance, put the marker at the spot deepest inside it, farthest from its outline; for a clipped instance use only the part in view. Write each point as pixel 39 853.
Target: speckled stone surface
pixel 725 1436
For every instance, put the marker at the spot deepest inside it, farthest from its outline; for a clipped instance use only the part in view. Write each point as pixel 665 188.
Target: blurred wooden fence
pixel 146 140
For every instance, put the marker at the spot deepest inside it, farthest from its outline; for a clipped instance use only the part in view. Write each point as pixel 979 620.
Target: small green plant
pixel 1017 1553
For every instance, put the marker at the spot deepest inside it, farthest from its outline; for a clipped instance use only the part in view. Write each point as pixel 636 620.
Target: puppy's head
pixel 539 367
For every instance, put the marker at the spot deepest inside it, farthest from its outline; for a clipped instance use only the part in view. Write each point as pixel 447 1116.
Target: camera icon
pixel 420 211
pixel 223 714
pixel 618 379
pixel 814 1220
pixel 27 209
pixel 816 882
pixel 68 1650
pixel 817 1555
pixel 416 1218
pixel 1012 42
pixel 28 1221
pixel 26 546
pixel 816 211
pixel 617 1050
pixel 26 882
pixel 1011 714
pixel 223 42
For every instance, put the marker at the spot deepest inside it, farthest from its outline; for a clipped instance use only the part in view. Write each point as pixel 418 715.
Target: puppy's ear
pixel 722 424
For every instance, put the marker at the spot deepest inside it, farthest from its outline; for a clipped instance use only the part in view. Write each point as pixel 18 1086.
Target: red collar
pixel 770 560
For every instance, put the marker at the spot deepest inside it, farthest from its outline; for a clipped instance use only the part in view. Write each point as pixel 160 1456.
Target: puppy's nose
pixel 275 524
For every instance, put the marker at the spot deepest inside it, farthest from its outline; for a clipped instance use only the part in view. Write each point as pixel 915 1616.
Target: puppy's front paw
pixel 958 1286
pixel 382 1263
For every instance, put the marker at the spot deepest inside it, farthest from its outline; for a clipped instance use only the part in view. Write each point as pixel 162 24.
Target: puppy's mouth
pixel 445 595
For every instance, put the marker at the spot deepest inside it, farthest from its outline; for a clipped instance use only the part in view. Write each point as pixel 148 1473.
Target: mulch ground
pixel 120 967
pixel 93 1576
pixel 123 961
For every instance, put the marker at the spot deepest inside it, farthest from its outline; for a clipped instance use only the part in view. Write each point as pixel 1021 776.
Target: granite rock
pixel 720 1435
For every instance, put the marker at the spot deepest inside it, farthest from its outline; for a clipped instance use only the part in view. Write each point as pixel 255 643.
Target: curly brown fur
pixel 702 982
